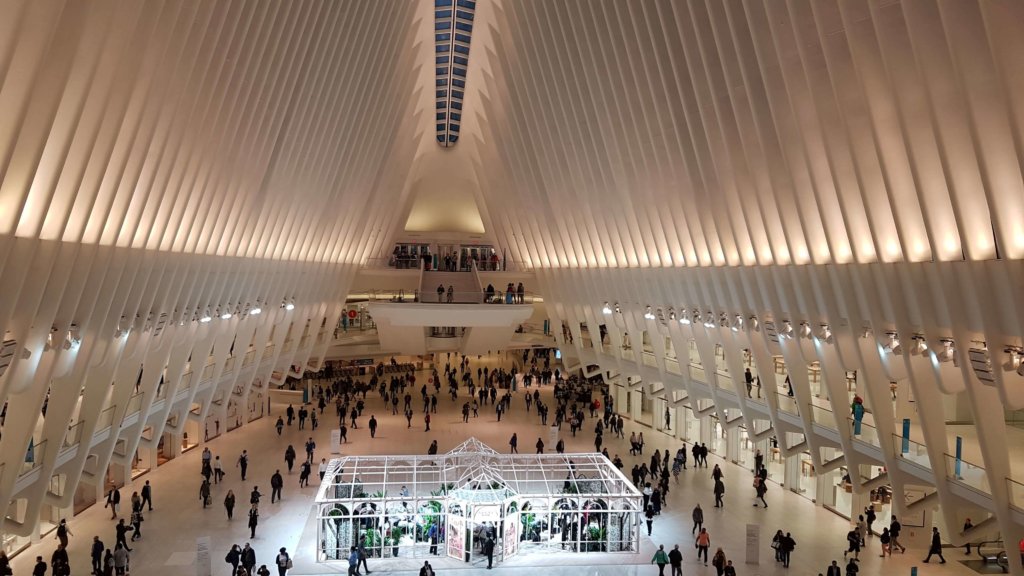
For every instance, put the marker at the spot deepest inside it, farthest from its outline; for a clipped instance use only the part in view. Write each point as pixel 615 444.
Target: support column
pixel 732 445
pixel 706 430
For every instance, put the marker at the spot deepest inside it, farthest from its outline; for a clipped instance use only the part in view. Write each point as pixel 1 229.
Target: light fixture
pixel 289 306
pixel 919 347
pixel 737 323
pixel 671 314
pixel 205 317
pixel 805 330
pixel 607 309
pixel 893 345
pixel 709 319
pixel 648 314
pixel 787 329
pixel 68 341
pixel 226 315
pixel 865 332
pixel 948 351
pixel 825 334
pixel 684 317
pixel 256 311
pixel 1013 362
pixel 617 309
pixel 754 323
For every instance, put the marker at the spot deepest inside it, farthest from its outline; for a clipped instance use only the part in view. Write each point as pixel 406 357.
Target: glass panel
pixel 914 451
pixel 966 473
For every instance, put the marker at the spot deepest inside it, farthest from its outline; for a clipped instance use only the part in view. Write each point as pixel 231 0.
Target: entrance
pixel 473 528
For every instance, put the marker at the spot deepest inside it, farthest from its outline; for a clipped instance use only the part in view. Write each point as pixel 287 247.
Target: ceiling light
pixel 607 309
pixel 256 311
pixel 893 345
pixel 948 351
pixel 805 330
pixel 920 347
pixel 684 317
pixel 671 313
pixel 826 334
pixel 709 320
pixel 617 309
pixel 865 332
pixel 737 323
pixel 289 306
pixel 648 314
pixel 787 328
pixel 205 317
pixel 754 323
pixel 1013 361
pixel 225 316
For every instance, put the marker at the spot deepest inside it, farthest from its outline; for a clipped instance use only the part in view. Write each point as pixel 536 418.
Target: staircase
pixel 465 289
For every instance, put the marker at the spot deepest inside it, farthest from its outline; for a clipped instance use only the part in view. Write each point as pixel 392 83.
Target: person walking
pixel 234 557
pixel 788 544
pixel 719 493
pixel 218 470
pixel 730 570
pixel 718 561
pixel 936 546
pixel 204 492
pixel 147 495
pixel 886 542
pixel 489 551
pixel 279 425
pixel 540 446
pixel 361 551
pixel 702 543
pixel 283 561
pixel 121 559
pixel 304 472
pixel 698 519
pixel 248 558
pixel 229 503
pixel 833 570
pixel 514 444
pixel 661 559
pixel 373 425
pixel 894 536
pixel 96 554
pixel 853 544
pixel 136 521
pixel 675 559
pixel 113 502
pixel 310 447
pixel 243 463
pixel 649 515
pixel 254 519
pixel 276 483
pixel 63 531
pixel 353 556
pixel 321 469
pixel 289 457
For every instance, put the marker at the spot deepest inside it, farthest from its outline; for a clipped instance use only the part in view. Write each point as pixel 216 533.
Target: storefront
pixel 457 504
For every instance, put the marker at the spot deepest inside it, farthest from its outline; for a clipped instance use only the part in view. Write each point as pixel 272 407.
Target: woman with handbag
pixel 283 561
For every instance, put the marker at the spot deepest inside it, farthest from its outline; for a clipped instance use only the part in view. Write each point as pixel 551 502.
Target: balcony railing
pixel 967 474
pixel 910 450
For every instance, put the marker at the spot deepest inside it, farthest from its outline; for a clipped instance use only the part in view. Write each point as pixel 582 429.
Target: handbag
pixel 288 564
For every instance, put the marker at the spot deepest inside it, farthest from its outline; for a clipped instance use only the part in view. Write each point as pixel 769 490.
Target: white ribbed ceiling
pixel 597 133
pixel 742 132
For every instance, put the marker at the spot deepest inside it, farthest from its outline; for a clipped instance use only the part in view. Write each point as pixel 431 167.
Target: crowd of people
pixel 577 403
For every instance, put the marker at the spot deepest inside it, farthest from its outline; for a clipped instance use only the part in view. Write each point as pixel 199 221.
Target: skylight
pixel 453 29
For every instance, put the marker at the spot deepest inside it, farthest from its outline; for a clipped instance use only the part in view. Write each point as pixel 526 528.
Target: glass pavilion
pixel 449 504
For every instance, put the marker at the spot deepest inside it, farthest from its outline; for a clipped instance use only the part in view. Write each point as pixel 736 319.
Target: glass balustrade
pixel 911 450
pixel 1016 491
pixel 106 418
pixel 34 454
pixel 868 433
pixel 823 416
pixel 787 403
pixel 967 473
pixel 73 437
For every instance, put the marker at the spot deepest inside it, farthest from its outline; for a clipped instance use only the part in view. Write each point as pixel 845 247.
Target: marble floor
pixel 168 545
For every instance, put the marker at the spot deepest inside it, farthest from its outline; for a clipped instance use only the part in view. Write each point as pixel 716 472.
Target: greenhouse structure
pixel 450 504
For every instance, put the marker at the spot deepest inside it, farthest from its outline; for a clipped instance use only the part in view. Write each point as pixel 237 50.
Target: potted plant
pixel 396 537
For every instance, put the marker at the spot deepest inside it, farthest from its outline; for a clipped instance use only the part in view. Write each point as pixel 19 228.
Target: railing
pixel 868 433
pixel 1016 491
pixel 207 372
pixel 967 474
pixel 914 451
pixel 248 358
pixel 823 416
pixel 134 404
pixel 73 437
pixel 229 365
pixel 787 403
pixel 34 458
pixel 398 262
pixel 106 418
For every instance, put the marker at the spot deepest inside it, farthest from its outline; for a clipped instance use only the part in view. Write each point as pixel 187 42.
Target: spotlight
pixel 607 309
pixel 67 342
pixel 225 316
pixel 805 330
pixel 737 323
pixel 256 311
pixel 826 334
pixel 893 345
pixel 671 314
pixel 289 306
pixel 920 347
pixel 787 328
pixel 865 332
pixel 618 310
pixel 709 320
pixel 948 351
pixel 754 323
pixel 205 317
pixel 1013 362
pixel 648 314
pixel 684 317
